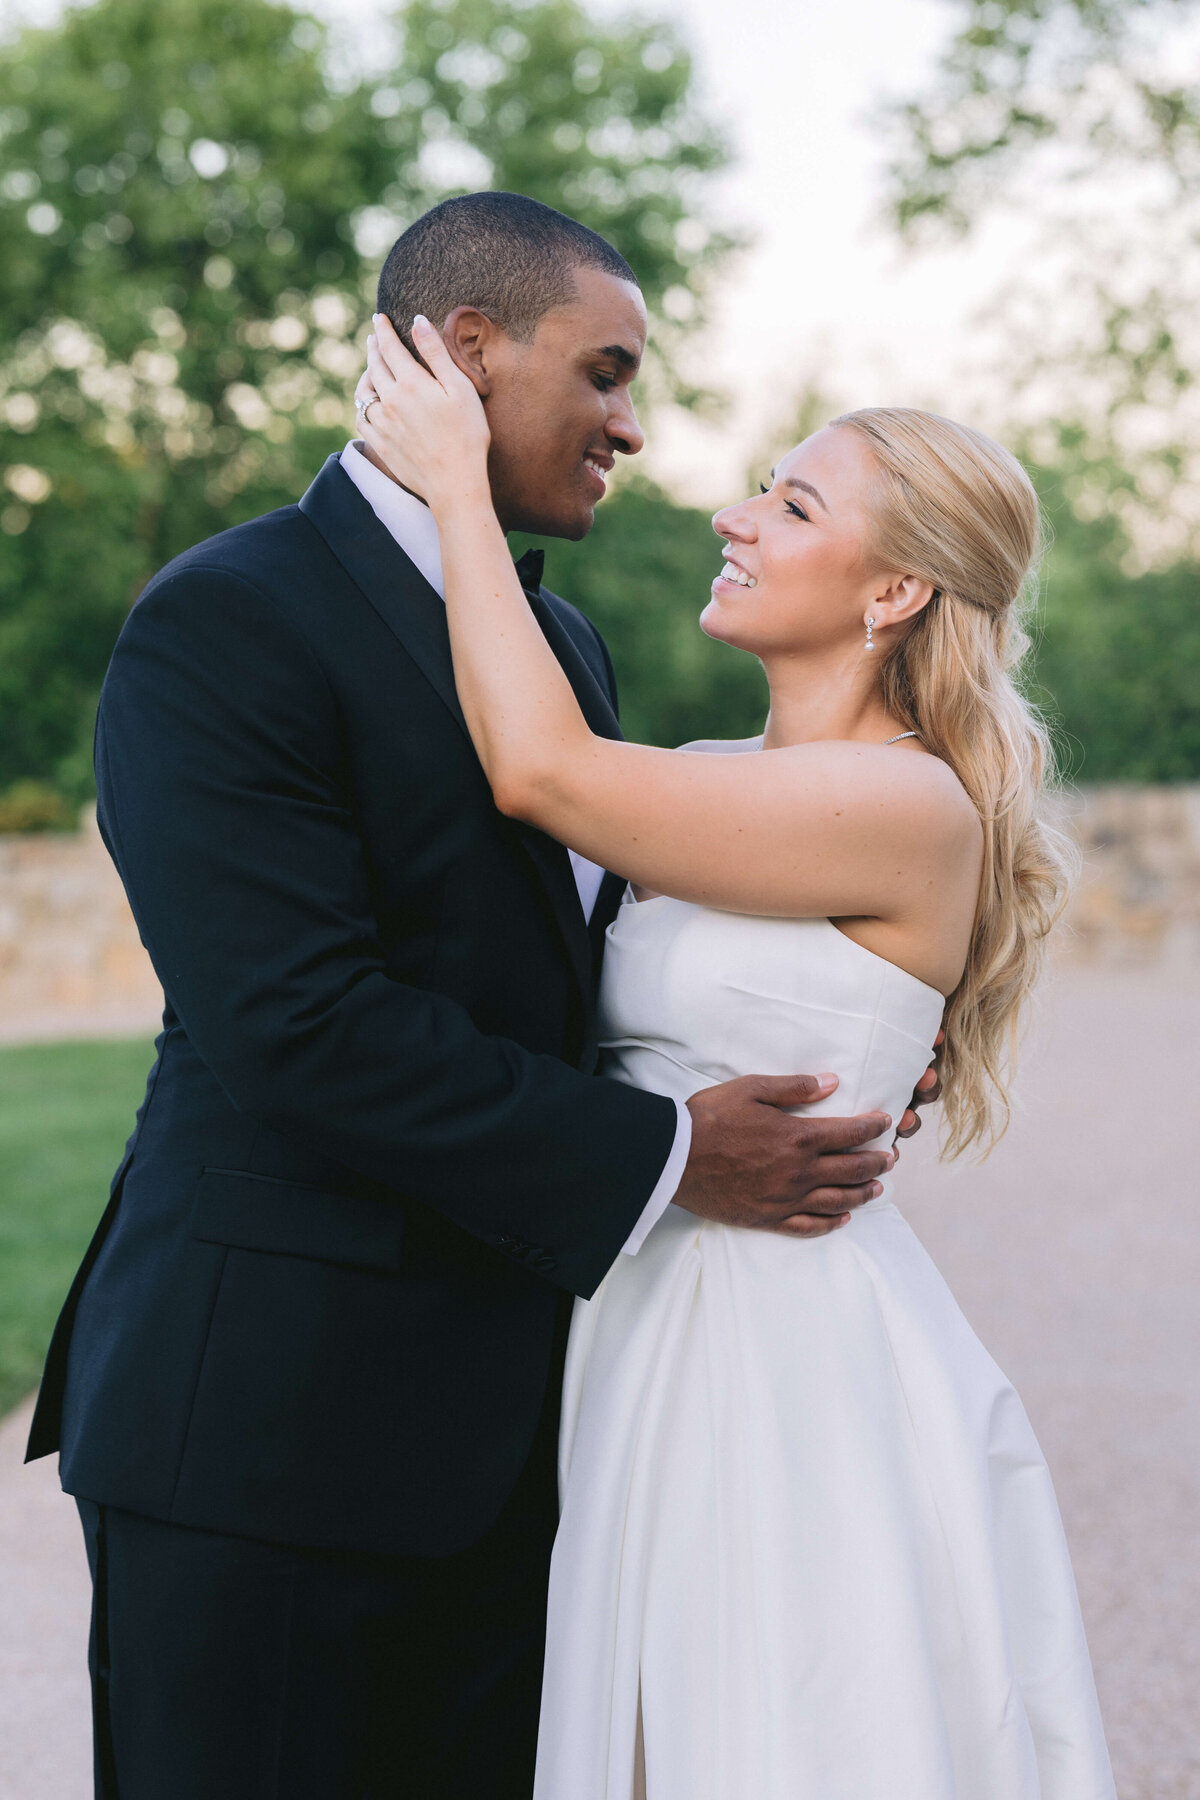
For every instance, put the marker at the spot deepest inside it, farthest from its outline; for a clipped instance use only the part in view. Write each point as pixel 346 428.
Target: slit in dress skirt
pixel 639 1753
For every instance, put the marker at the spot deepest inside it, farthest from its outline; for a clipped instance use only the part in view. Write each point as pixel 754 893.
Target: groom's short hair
pixel 510 256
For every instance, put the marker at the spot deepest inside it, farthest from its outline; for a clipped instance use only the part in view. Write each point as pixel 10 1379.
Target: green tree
pixel 177 279
pixel 192 210
pixel 1094 80
pixel 597 120
pixel 1117 655
pixel 1083 118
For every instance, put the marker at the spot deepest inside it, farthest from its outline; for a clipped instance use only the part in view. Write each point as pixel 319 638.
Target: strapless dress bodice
pixel 691 997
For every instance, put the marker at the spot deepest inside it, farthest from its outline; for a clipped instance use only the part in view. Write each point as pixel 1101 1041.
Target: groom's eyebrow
pixel 619 354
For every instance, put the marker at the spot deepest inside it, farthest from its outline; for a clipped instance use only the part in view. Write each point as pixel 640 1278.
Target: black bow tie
pixel 529 570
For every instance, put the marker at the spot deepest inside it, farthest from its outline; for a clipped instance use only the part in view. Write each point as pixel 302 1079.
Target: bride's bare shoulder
pixel 933 776
pixel 924 792
pixel 902 789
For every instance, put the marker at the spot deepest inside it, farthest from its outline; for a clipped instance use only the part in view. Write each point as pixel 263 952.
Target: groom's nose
pixel 621 427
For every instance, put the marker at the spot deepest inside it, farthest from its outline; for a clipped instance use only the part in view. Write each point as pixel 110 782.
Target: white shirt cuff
pixel 667 1186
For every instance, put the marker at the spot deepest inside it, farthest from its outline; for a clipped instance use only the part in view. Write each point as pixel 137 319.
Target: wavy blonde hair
pixel 953 507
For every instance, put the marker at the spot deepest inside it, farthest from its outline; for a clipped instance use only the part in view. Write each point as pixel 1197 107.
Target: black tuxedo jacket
pixel 373 1158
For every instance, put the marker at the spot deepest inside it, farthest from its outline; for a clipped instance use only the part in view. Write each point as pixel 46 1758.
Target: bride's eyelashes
pixel 791 505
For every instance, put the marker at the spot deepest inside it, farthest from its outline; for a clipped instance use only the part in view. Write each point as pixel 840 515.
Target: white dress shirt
pixel 412 525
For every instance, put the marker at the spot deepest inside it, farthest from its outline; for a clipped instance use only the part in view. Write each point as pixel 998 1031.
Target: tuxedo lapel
pixel 593 702
pixel 395 587
pixel 601 718
pixel 416 614
pixel 556 867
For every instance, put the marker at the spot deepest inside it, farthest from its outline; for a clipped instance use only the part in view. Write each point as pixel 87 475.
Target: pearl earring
pixel 870 631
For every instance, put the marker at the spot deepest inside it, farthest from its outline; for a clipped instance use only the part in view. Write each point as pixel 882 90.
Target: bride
pixel 809 1548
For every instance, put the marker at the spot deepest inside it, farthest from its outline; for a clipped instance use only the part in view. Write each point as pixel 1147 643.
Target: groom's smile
pixel 598 464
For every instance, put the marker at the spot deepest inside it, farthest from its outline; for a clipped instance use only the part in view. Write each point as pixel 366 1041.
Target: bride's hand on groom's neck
pixel 427 424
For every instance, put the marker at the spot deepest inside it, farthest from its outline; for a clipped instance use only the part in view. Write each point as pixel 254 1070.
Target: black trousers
pixel 228 1669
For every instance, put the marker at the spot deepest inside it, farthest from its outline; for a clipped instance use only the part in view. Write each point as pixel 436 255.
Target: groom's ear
pixel 471 338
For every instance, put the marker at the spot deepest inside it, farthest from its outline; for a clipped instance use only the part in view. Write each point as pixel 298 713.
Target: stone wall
pixel 71 964
pixel 1138 900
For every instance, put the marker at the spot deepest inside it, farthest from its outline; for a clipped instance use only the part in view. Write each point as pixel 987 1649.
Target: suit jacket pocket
pixel 284 1218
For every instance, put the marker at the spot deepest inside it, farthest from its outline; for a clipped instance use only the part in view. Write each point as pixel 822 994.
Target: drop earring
pixel 870 631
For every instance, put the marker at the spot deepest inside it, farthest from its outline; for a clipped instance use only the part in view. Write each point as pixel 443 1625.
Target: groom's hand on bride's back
pixel 753 1163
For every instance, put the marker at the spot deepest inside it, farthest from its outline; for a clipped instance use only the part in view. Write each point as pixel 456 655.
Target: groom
pixel 305 1385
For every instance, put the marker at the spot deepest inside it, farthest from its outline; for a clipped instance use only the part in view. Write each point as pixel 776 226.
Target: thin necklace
pixel 898 736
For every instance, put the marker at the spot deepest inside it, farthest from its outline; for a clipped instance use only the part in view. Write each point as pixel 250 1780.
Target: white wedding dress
pixel 807 1530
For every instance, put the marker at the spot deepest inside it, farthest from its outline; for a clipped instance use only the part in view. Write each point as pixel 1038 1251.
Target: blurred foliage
pixel 193 204
pixel 595 119
pixel 1082 117
pixel 643 576
pixel 158 167
pixel 1084 75
pixel 35 806
pixel 1117 656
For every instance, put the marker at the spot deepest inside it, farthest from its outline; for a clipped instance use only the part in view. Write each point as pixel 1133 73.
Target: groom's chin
pixel 580 527
pixel 571 525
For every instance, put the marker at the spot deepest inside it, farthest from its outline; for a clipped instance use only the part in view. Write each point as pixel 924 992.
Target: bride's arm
pixel 831 828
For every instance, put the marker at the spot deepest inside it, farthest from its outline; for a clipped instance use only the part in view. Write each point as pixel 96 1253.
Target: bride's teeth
pixel 731 572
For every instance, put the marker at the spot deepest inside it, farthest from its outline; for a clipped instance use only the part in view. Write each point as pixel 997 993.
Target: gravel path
pixel 1075 1252
pixel 45 1717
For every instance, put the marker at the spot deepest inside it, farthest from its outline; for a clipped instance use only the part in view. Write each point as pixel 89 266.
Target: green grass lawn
pixel 65 1112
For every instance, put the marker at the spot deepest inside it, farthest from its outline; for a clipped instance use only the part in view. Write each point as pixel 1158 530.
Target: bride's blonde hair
pixel 956 509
